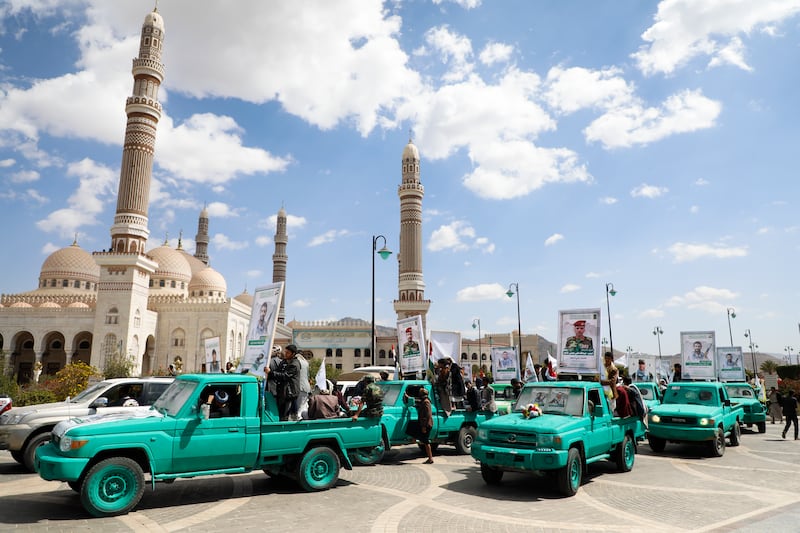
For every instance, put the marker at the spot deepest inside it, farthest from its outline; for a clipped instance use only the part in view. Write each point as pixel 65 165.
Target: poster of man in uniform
pixel 258 347
pixel 730 366
pixel 411 340
pixel 579 341
pixel 505 364
pixel 213 354
pixel 697 355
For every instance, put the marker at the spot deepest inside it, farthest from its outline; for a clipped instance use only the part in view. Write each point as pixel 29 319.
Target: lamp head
pixel 509 293
pixel 384 252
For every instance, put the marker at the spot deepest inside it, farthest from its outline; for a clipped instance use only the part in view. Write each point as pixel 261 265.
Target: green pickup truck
pixel 650 393
pixel 457 428
pixel 575 428
pixel 695 412
pixel 105 458
pixel 743 394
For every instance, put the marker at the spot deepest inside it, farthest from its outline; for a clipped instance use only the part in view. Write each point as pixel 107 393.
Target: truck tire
pixel 491 475
pixel 75 485
pixel 571 476
pixel 736 434
pixel 466 436
pixel 112 487
pixel 625 455
pixel 319 469
pixel 369 456
pixel 762 427
pixel 19 457
pixel 657 444
pixel 29 455
pixel 717 445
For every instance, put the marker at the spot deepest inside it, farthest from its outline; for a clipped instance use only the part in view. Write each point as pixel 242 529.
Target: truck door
pixel 599 434
pixel 215 443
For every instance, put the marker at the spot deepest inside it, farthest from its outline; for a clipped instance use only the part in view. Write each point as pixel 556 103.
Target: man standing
pixel 411 346
pixel 790 412
pixel 612 375
pixel 579 342
pixel 304 388
pixel 287 383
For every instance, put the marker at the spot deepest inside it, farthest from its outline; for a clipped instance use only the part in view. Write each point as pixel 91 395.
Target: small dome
pixel 246 298
pixel 195 264
pixel 154 19
pixel 171 264
pixel 20 304
pixel 50 304
pixel 282 212
pixel 410 151
pixel 206 280
pixel 79 305
pixel 204 212
pixel 72 263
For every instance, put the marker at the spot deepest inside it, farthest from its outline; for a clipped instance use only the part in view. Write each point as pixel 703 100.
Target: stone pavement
pixel 754 487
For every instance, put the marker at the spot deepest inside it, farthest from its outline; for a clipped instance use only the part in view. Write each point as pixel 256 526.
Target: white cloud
pixel 25 176
pixel 684 252
pixel 6 163
pixel 221 210
pixel 458 236
pixel 648 191
pixel 608 200
pixel 763 231
pixel 552 239
pixel 301 303
pixel 651 313
pixel 700 182
pixel 685 29
pixel 703 298
pixel 483 292
pixel 49 248
pixel 293 222
pixel 263 240
pixel 328 236
pixel 592 275
pixel 466 4
pixel 454 49
pixel 495 52
pixel 571 89
pixel 33 194
pixel 223 242
pixel 569 287
pixel 694 209
pixel 253 273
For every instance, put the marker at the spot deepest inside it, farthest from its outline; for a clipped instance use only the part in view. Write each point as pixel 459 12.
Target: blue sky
pixel 564 145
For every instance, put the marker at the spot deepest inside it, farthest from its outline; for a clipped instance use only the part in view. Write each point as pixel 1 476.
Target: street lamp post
pixel 610 290
pixel 753 348
pixel 657 331
pixel 384 252
pixel 731 314
pixel 477 323
pixel 511 293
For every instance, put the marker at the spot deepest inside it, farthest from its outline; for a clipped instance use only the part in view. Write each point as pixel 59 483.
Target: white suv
pixel 23 429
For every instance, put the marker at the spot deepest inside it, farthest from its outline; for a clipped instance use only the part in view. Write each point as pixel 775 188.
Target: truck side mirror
pixel 102 401
pixel 726 402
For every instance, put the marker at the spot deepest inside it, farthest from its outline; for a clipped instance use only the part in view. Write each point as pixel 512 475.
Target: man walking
pixel 790 412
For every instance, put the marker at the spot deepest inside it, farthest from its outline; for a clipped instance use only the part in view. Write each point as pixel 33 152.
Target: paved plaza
pixel 755 487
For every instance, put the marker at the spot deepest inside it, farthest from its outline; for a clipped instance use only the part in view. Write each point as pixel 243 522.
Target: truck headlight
pixel 706 421
pixel 68 443
pixel 13 419
pixel 655 418
pixel 552 441
pixel 483 434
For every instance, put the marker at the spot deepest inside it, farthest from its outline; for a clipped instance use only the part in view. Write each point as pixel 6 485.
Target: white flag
pixel 530 370
pixel 552 359
pixel 321 379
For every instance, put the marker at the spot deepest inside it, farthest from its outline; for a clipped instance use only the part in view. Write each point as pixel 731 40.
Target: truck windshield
pixel 90 392
pixel 174 397
pixel 645 392
pixel 740 392
pixel 553 400
pixel 690 395
pixel 391 391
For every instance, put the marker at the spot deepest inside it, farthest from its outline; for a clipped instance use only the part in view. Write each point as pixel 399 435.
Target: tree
pixel 769 367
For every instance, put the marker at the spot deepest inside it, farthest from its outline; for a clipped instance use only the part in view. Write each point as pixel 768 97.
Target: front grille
pixel 523 440
pixel 687 420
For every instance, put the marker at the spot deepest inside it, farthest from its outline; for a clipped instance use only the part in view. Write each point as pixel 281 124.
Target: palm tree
pixel 769 367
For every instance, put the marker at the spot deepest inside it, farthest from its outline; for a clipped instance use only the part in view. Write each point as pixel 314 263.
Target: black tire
pixel 29 455
pixel 571 476
pixel 75 485
pixel 625 454
pixel 466 436
pixel 319 469
pixel 736 434
pixel 369 456
pixel 491 475
pixel 657 444
pixel 762 427
pixel 717 446
pixel 18 456
pixel 112 487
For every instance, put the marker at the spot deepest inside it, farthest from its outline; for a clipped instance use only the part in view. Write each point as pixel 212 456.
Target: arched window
pixel 77 285
pixel 338 352
pixel 178 338
pixel 328 352
pixel 382 354
pixel 357 352
pixel 137 319
pixel 110 345
pixel 112 316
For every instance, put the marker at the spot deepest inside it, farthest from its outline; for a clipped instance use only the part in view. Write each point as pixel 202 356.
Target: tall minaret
pixel 201 239
pixel 411 299
pixel 123 325
pixel 279 259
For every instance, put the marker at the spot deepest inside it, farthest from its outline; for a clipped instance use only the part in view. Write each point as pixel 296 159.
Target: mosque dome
pixel 245 297
pixel 207 280
pixel 195 264
pixel 71 263
pixel 154 19
pixel 410 151
pixel 20 304
pixel 49 305
pixel 80 305
pixel 172 265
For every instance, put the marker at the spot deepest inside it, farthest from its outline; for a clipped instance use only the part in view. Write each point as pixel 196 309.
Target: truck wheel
pixel 112 487
pixel 762 427
pixel 625 454
pixel 491 475
pixel 369 456
pixel 19 457
pixel 466 435
pixel 570 477
pixel 736 434
pixel 717 446
pixel 319 469
pixel 657 444
pixel 29 455
pixel 75 485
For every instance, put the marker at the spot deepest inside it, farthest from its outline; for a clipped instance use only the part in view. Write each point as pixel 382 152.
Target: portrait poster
pixel 642 372
pixel 697 355
pixel 579 341
pixel 411 340
pixel 505 364
pixel 261 333
pixel 730 363
pixel 213 355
